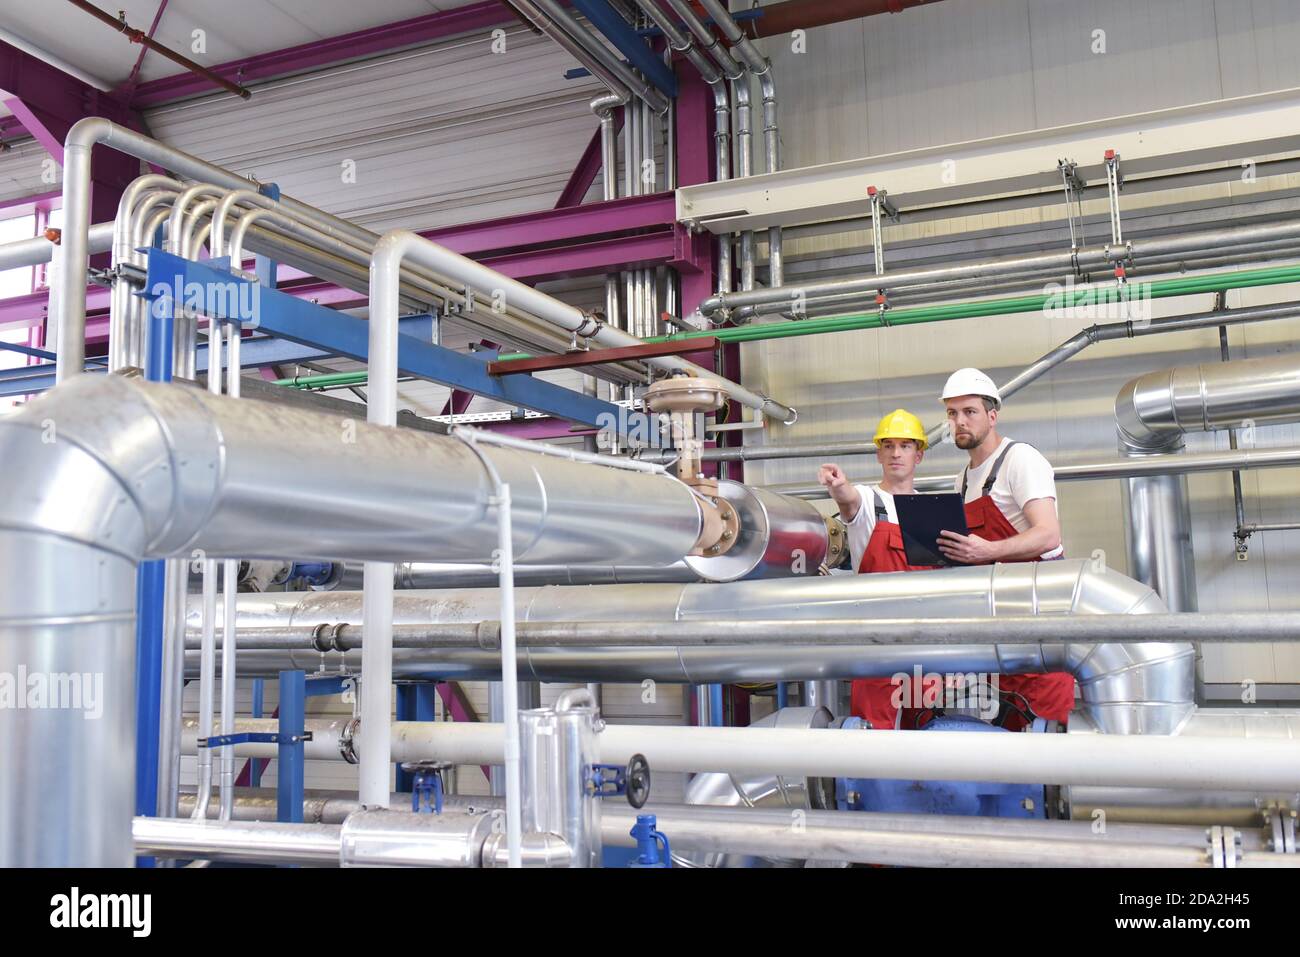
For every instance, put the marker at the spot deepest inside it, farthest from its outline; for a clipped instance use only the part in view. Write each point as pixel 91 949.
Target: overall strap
pixel 997 467
pixel 878 505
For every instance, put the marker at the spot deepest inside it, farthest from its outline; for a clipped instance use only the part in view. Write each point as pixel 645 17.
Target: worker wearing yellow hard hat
pixel 875 539
pixel 875 542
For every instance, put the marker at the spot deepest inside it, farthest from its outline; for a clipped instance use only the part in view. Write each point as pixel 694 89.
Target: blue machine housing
pixel 968 798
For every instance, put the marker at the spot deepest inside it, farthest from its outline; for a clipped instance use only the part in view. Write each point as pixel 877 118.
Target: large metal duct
pixel 106 471
pixel 1127 688
pixel 1153 413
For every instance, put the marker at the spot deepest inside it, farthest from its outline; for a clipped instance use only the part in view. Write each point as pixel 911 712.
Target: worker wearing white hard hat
pixel 1009 487
pixel 1009 490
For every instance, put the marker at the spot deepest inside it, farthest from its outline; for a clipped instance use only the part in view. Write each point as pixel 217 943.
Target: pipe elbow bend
pixel 85 133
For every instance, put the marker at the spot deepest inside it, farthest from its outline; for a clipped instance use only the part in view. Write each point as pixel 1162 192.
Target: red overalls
pixel 870 698
pixel 1048 695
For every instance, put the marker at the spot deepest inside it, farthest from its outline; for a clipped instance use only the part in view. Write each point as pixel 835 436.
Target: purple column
pixel 695 159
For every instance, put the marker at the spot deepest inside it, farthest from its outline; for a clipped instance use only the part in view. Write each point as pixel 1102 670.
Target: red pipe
pixel 804 14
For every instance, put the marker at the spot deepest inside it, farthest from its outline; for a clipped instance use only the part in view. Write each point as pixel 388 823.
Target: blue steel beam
pixel 608 21
pixel 282 315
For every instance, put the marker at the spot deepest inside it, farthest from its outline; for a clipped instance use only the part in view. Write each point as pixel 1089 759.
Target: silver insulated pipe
pixel 1154 413
pixel 1127 688
pixel 105 471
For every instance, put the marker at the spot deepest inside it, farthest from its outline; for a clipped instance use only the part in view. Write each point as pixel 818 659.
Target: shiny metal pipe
pixel 1129 687
pixel 558 747
pixel 400 244
pixel 758 65
pixel 1153 413
pixel 1171 464
pixel 384 838
pixel 448 575
pixel 1130 330
pixel 78 643
pixel 1062 264
pixel 120 305
pixel 562 20
pixel 891 839
pixel 906 841
pixel 740 96
pixel 603 106
pixel 707 40
pixel 263 842
pixel 1218 628
pixel 208 654
pixel 347 238
pixel 1242 808
pixel 1158 536
pixel 1179 760
pixel 1155 410
pixel 150 470
pixel 38 250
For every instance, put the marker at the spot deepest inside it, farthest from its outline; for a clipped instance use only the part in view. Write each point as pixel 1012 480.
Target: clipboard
pixel 921 518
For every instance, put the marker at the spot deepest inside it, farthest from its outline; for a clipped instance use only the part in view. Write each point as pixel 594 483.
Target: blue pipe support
pixel 715 706
pixel 293 717
pixel 615 29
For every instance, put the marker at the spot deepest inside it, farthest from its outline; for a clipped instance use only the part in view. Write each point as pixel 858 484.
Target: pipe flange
pixel 346 738
pixel 837 541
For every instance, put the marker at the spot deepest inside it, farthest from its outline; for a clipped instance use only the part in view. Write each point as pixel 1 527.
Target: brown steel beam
pixel 805 14
pixel 139 36
pixel 596 357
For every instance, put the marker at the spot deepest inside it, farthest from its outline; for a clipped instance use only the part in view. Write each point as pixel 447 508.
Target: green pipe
pixel 330 380
pixel 1068 297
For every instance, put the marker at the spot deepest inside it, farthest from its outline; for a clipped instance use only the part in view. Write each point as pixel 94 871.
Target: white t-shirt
pixel 859 530
pixel 1025 475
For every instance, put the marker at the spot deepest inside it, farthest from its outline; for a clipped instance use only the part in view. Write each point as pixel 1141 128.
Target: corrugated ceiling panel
pixel 21 170
pixel 451 133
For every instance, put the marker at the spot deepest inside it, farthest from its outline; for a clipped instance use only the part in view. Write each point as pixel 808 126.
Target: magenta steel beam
pixel 33 308
pixel 48 102
pixel 588 168
pixel 319 54
pixel 21 205
pixel 537 430
pixel 695 164
pixel 695 127
pixel 12 127
pixel 558 225
pixel 585 259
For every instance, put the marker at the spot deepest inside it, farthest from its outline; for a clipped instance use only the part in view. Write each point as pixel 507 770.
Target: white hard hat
pixel 970 382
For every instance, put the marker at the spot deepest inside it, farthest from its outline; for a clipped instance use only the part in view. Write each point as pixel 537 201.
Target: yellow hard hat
pixel 901 424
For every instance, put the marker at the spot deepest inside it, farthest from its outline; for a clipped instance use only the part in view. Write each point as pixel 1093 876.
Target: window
pixel 16 282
